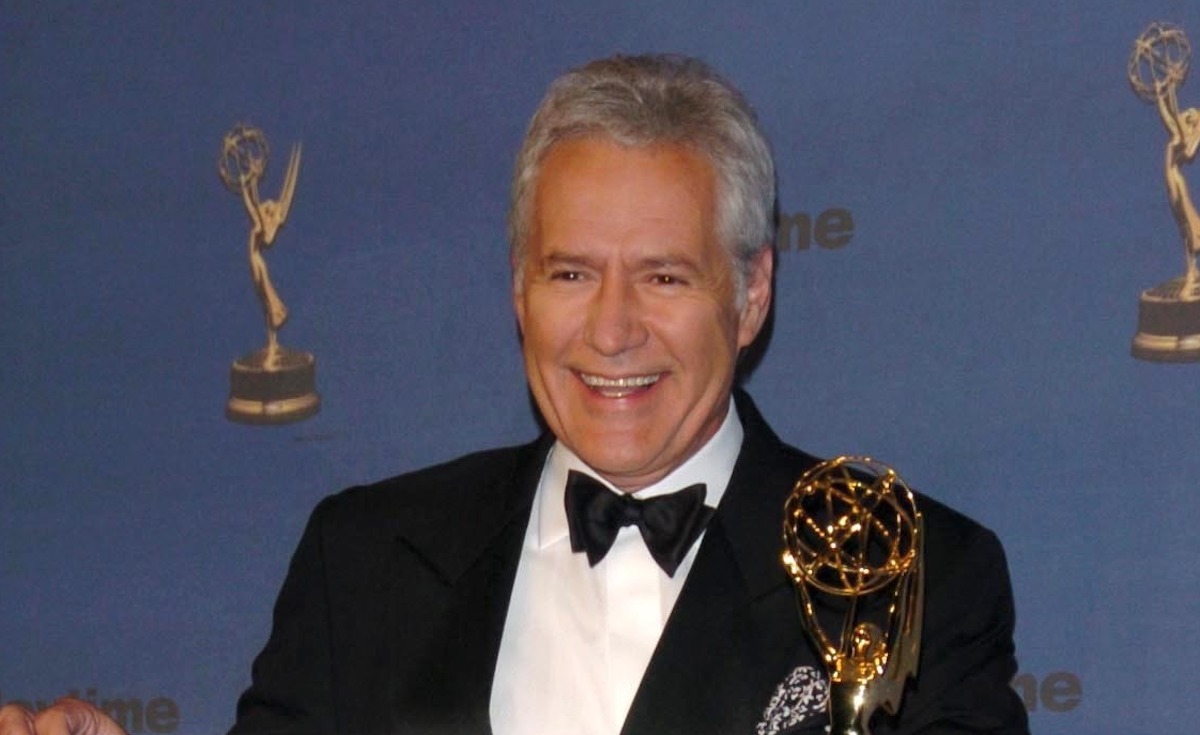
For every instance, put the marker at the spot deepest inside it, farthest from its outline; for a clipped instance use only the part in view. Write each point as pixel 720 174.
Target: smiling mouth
pixel 619 387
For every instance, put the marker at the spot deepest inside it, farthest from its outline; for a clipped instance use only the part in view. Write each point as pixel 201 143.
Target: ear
pixel 518 299
pixel 758 297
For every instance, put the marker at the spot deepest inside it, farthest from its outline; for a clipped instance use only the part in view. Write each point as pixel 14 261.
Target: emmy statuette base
pixel 1168 325
pixel 278 389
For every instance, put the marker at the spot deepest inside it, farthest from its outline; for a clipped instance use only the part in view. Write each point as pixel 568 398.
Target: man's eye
pixel 666 279
pixel 566 276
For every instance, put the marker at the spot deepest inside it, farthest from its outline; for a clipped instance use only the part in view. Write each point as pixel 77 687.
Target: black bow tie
pixel 670 524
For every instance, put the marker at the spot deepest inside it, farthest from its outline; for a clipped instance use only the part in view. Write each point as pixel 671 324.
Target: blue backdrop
pixel 1005 189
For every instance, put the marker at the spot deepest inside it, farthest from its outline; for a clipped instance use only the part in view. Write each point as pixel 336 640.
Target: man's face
pixel 627 306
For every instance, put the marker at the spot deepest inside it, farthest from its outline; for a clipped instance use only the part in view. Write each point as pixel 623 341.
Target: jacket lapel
pixel 469 545
pixel 734 634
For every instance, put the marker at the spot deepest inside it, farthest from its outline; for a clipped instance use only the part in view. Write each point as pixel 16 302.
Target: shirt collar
pixel 711 465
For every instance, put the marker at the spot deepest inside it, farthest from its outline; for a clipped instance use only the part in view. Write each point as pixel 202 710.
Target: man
pixel 489 595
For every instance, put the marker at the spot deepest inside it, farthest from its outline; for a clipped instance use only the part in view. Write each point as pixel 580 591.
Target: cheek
pixel 547 332
pixel 719 329
pixel 706 347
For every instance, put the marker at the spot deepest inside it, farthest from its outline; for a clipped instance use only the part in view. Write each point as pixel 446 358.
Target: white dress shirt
pixel 578 638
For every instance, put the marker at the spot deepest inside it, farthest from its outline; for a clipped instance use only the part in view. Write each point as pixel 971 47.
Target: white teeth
pixel 618 387
pixel 639 381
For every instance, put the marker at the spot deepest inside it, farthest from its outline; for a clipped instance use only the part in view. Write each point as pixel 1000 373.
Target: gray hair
pixel 642 100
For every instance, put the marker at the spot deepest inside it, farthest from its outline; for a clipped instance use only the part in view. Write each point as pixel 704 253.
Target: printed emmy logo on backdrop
pixel 1169 313
pixel 274 384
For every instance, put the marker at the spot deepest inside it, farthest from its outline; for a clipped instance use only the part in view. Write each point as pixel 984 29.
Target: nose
pixel 615 319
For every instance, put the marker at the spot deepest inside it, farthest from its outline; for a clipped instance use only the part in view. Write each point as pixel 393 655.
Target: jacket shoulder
pixel 951 528
pixel 480 477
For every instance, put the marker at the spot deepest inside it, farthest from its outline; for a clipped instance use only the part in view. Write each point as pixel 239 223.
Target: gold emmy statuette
pixel 852 544
pixel 1169 313
pixel 272 385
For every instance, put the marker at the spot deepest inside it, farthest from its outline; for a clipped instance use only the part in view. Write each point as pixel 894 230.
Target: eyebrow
pixel 678 262
pixel 654 262
pixel 562 258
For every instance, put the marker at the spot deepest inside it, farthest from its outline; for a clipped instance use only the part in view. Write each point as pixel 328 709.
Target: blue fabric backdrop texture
pixel 978 201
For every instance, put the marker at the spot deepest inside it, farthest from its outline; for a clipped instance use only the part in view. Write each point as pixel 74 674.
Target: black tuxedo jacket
pixel 391 615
